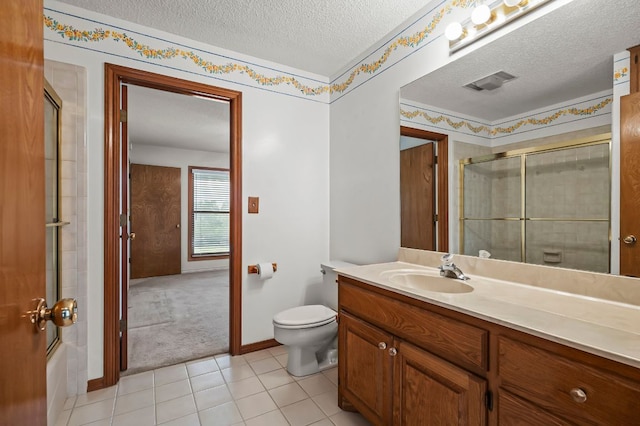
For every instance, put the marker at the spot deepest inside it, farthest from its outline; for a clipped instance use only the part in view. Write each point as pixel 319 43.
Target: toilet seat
pixel 307 316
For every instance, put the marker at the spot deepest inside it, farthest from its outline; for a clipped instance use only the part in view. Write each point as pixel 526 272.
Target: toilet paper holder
pixel 253 269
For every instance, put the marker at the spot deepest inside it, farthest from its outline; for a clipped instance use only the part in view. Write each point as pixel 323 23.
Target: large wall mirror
pixel 563 64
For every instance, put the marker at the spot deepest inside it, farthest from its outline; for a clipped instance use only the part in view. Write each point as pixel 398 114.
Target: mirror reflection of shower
pixel 547 205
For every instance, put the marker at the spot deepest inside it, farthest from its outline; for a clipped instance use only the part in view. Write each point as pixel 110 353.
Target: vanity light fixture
pixel 481 14
pixel 454 31
pixel 485 18
pixel 514 3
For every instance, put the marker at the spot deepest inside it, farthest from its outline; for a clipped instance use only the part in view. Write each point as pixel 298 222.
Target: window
pixel 208 213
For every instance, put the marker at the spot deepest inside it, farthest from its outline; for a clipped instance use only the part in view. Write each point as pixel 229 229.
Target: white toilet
pixel 311 331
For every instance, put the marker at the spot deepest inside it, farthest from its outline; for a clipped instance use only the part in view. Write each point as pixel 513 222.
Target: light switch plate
pixel 254 204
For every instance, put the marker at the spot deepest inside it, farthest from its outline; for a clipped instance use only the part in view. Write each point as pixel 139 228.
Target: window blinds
pixel 210 218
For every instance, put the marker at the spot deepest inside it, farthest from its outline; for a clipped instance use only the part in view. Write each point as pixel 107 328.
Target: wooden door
pixel 630 185
pixel 23 398
pixel 364 369
pixel 431 391
pixel 155 220
pixel 417 197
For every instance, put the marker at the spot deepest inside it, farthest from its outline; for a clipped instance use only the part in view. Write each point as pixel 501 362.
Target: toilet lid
pixel 305 316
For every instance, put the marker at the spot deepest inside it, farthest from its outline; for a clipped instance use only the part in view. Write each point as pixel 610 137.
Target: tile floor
pixel 252 389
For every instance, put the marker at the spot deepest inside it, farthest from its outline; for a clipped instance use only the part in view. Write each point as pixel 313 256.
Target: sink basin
pixel 427 281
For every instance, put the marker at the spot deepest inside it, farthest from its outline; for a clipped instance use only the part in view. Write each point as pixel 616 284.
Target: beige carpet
pixel 177 318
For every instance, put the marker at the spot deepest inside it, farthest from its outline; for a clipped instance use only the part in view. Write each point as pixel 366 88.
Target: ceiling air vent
pixel 490 82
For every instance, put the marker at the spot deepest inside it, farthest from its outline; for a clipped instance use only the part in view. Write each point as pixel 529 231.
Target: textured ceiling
pixel 319 36
pixel 561 56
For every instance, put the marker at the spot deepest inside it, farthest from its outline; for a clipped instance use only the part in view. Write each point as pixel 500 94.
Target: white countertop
pixel 601 327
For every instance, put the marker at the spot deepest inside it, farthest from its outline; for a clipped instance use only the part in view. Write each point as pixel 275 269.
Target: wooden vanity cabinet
pixel 431 391
pixel 557 385
pixel 408 362
pixel 389 380
pixel 365 368
pixel 515 411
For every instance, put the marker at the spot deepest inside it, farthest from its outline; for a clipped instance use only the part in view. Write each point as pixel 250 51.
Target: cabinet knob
pixel 382 346
pixel 393 351
pixel 578 395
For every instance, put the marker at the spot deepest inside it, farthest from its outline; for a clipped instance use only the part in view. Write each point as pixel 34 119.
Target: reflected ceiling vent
pixel 490 82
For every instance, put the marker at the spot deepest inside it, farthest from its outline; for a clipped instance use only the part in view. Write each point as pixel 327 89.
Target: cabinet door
pixel 431 391
pixel 364 369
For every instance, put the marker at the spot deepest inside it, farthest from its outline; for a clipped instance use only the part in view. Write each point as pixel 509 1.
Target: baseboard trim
pixel 96 384
pixel 258 346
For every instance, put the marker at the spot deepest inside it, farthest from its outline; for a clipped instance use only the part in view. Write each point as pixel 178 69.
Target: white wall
pixel 182 159
pixel 285 162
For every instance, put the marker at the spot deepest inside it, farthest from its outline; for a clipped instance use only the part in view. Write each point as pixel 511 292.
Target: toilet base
pixel 304 362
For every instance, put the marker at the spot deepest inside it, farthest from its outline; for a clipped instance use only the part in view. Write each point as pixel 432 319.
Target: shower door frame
pixel 600 139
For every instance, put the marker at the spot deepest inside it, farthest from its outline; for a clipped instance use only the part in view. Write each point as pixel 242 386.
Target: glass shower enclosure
pixel 548 205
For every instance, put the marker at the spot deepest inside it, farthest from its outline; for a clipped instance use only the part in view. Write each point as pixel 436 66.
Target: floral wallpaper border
pixel 77 31
pixel 447 122
pixel 621 74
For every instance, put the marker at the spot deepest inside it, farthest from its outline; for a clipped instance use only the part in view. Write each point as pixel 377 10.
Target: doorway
pixel 424 191
pixel 173 141
pixel 116 224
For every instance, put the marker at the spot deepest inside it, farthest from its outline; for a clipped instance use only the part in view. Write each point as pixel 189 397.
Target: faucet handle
pixel 447 258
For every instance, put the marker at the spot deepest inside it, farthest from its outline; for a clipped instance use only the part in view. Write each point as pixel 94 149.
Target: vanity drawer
pixel 567 388
pixel 455 341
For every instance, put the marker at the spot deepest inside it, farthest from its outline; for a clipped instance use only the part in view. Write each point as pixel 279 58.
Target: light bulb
pixel 453 31
pixel 480 14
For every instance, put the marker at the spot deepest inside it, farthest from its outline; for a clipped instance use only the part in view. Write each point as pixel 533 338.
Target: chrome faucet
pixel 449 269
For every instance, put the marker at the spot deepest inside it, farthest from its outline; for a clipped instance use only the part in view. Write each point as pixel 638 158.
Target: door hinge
pixel 435 159
pixel 488 400
pixel 435 218
pixel 129 260
pixel 123 325
pixel 123 115
pixel 123 220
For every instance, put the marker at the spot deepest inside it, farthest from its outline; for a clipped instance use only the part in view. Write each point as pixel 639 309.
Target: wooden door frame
pixel 442 181
pixel 115 75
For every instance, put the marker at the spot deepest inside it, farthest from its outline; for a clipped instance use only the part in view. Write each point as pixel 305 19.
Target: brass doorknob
pixel 63 313
pixel 630 239
pixel 131 236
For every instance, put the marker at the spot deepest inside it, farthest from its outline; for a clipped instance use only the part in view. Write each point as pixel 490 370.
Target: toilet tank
pixel 329 279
